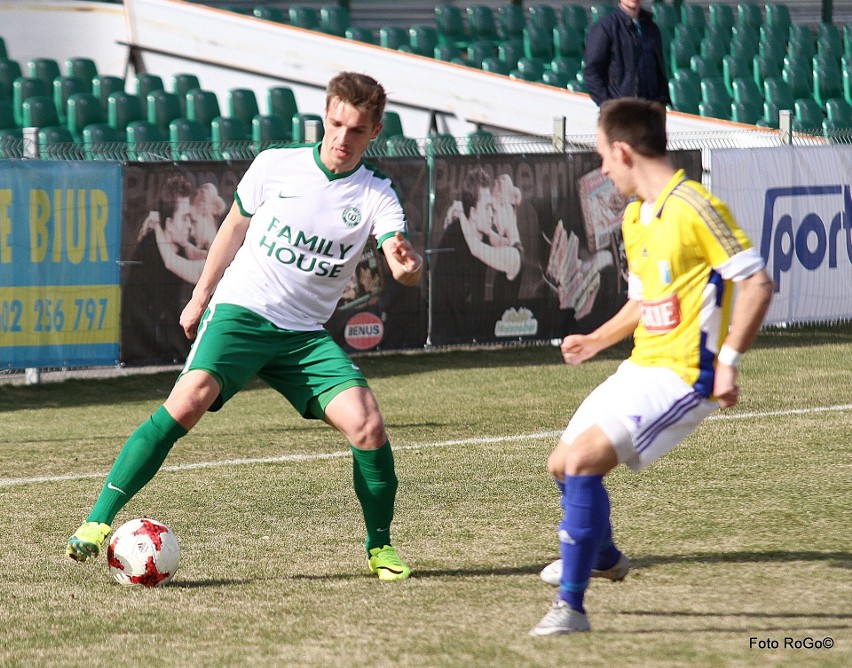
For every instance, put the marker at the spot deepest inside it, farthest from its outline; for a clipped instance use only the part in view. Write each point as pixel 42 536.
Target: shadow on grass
pixel 835 559
pixel 202 584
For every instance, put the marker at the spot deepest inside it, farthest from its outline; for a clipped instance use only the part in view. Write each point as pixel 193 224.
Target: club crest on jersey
pixel 351 216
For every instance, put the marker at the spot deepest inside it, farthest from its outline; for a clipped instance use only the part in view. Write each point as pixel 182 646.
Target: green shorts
pixel 308 368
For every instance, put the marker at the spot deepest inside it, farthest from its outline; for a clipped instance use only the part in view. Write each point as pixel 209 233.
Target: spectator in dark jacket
pixel 624 56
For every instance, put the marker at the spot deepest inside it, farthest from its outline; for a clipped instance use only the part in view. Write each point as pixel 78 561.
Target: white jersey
pixel 307 231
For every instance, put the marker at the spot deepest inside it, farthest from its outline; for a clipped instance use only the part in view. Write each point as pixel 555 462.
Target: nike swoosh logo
pixel 117 489
pixel 283 196
pixel 382 530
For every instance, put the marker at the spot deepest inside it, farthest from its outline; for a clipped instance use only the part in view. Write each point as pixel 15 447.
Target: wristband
pixel 729 356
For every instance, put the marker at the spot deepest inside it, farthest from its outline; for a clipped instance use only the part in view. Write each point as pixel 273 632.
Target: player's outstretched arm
pixel 577 348
pixel 225 245
pixel 405 263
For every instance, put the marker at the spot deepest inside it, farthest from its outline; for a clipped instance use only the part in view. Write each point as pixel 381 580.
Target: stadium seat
pixel 829 41
pixel 479 51
pixel 83 109
pixel 242 103
pixel 145 142
pixel 142 83
pixel 495 66
pixel 334 20
pixel 450 53
pixel 667 19
pixel 161 108
pixel 746 112
pixel 801 44
pixel 441 144
pixel 511 21
pixel 828 80
pixel 566 65
pixel 838 122
pixel 273 14
pixel 772 51
pixel 39 111
pixel 24 88
pixel 103 86
pixel 720 14
pixel 63 88
pixel 398 145
pixel 360 34
pixel 744 42
pixel 229 139
pixel 9 71
pixel 299 129
pixel 528 69
pixel 808 116
pixel 847 40
pixel 188 139
pixel 774 35
pixel 578 85
pixel 777 91
pixel 103 142
pixel 555 78
pixel 714 51
pixel 122 109
pixel 770 116
pixel 713 91
pixel 84 69
pixel 748 13
pixel 449 21
pixel 393 37
pixel 181 84
pixel 270 130
pixel 720 34
pixel 509 52
pixel 684 95
pixel 57 143
pixel 281 101
pixel 599 10
pixel 799 78
pixel 45 69
pixel 683 33
pixel 567 41
pixel 680 54
pixel 542 16
pixel 763 67
pixel 422 39
pixel 746 90
pixel 3 52
pixel 7 115
pixel 202 106
pixel 688 75
pixel 716 109
pixel 304 16
pixel 392 123
pixel 704 67
pixel 778 15
pixel 847 84
pixel 692 15
pixel 481 141
pixel 538 43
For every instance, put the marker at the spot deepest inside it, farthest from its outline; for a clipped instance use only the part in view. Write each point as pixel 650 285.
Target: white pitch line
pixel 483 440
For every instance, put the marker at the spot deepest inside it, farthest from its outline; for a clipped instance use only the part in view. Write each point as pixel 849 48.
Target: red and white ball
pixel 143 553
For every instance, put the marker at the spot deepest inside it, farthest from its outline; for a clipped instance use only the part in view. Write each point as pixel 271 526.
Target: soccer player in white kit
pixel 273 276
pixel 684 253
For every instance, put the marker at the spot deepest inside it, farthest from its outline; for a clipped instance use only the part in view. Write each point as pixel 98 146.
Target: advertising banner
pixel 59 243
pixel 795 203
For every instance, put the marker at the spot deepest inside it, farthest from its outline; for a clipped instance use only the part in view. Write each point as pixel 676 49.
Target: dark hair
pixel 474 181
pixel 175 188
pixel 641 124
pixel 361 91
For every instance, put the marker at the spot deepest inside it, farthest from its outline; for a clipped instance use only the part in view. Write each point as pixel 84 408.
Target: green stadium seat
pixel 202 106
pixel 84 69
pixel 422 39
pixel 509 52
pixel 684 95
pixel 578 85
pixel 714 51
pixel 481 142
pixel 847 40
pixel 566 65
pixel 83 109
pixel 479 51
pixel 304 16
pixel 777 15
pixel 392 123
pixel 838 122
pixel 441 144
pixel 24 88
pixel 360 34
pixel 567 41
pixel 145 142
pixel 281 101
pixel 772 51
pixel 393 37
pixel 748 13
pixel 746 90
pixel 495 66
pixel 449 22
pixel 39 111
pixel 683 33
pixel 801 43
pixel 713 91
pixel 334 20
pixel 229 139
pixel 746 112
pixel 774 35
pixel 720 14
pixel 769 118
pixel 9 71
pixel 554 78
pixel 528 69
pixel 63 88
pixel 449 53
pixel 847 84
pixel 398 145
pixel 57 143
pixel 511 21
pixel 667 19
pixel 103 142
pixel 105 85
pixel 7 115
pixel 181 84
pixel 808 116
pixel 680 54
pixel 273 14
pixel 270 130
pixel 599 10
pixel 143 83
pixel 161 108
pixel 45 69
pixel 576 16
pixel 704 67
pixel 692 15
pixel 538 43
pixel 800 79
pixel 188 139
pixel 828 80
pixel 242 103
pixel 299 127
pixel 3 52
pixel 778 92
pixel 829 41
pixel 716 109
pixel 542 16
pixel 122 109
pixel 763 67
pixel 689 75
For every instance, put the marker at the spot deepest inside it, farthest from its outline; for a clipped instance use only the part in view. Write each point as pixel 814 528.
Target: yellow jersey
pixel 681 273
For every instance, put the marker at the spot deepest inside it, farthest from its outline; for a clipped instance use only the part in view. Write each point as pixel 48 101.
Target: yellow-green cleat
pixel 87 541
pixel 385 562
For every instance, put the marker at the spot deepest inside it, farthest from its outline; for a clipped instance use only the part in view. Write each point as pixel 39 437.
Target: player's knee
pixel 369 433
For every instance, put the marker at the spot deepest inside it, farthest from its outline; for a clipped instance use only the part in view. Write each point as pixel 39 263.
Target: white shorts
pixel 644 411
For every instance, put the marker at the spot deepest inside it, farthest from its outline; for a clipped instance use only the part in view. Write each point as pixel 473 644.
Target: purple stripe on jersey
pixel 682 406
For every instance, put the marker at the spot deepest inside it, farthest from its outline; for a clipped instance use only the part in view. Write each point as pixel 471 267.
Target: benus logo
pixel 661 315
pixel 351 216
pixel 364 331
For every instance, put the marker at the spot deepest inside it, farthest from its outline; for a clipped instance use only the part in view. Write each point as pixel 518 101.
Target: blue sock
pixel 608 553
pixel 586 507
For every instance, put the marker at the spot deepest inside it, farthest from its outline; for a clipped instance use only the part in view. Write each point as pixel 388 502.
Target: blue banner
pixel 60 234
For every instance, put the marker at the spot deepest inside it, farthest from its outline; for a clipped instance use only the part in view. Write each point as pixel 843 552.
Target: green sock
pixel 375 486
pixel 139 459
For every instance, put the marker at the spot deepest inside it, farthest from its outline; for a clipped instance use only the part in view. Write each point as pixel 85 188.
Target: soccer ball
pixel 143 553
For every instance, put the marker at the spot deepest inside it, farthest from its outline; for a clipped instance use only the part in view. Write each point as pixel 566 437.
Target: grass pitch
pixel 740 537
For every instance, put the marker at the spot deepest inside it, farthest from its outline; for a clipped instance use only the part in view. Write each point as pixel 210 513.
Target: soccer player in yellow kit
pixel 685 253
